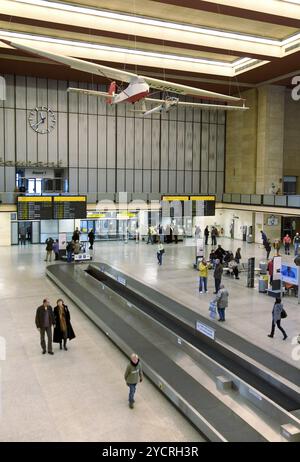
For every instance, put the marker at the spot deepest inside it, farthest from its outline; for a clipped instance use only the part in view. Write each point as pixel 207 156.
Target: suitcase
pixel 262 285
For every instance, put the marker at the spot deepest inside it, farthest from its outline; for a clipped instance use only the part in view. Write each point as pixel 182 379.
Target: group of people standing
pixel 163 234
pixel 46 317
pixel 72 247
pixel 287 241
pixel 213 233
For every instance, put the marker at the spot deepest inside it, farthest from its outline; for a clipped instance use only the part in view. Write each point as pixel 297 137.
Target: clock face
pixel 42 120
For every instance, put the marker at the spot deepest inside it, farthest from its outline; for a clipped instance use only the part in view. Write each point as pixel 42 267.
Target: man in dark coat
pixel 219 253
pixel 76 235
pixel 44 320
pixel 91 237
pixel 218 275
pixel 63 329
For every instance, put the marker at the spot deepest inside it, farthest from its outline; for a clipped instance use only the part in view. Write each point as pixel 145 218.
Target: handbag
pixel 212 307
pixel 283 313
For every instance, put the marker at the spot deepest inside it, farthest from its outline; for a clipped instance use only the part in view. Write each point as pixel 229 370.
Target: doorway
pixel 25 232
pixel 28 233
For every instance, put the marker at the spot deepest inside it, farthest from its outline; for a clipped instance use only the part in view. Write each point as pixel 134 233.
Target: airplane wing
pixel 200 105
pixel 85 91
pixel 75 63
pixel 123 76
pixel 186 90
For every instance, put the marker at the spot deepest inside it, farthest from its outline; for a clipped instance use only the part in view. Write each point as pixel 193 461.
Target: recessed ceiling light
pixel 149 21
pixel 37 38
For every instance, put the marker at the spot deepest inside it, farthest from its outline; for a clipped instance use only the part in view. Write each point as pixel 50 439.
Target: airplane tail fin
pixel 111 91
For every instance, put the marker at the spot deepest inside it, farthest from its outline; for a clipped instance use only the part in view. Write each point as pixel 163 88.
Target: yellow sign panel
pixel 175 198
pixel 202 198
pixel 34 199
pixel 69 199
pixel 95 215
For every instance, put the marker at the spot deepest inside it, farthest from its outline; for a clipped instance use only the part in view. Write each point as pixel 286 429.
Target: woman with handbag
pixel 63 328
pixel 278 313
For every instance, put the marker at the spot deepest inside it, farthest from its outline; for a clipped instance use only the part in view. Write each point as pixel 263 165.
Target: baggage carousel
pixel 230 389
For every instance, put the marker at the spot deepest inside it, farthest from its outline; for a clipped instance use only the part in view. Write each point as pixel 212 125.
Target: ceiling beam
pixel 238 12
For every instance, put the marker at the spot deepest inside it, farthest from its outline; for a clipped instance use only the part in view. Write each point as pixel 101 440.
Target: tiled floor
pixel 249 312
pixel 78 395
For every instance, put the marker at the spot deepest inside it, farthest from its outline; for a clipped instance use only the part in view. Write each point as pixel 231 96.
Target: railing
pixel 269 200
pixel 11 197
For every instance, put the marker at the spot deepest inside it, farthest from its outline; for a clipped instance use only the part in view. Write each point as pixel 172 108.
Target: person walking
pixel 264 238
pixel 296 243
pixel 133 374
pixel 203 274
pixel 222 302
pixel 49 248
pixel 277 245
pixel 287 242
pixel 69 250
pixel 63 328
pixel 44 320
pixel 91 237
pixel 175 232
pixel 160 252
pixel 213 234
pixel 238 256
pixel 149 234
pixel 197 232
pixel 23 237
pixel 206 234
pixel 276 318
pixel 268 248
pixel 218 275
pixel 56 249
pixel 270 270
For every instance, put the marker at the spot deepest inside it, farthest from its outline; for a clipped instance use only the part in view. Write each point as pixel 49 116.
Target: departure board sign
pixel 203 205
pixel 34 208
pixel 69 207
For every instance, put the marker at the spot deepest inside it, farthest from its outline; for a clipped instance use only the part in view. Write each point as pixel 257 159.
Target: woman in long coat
pixel 63 329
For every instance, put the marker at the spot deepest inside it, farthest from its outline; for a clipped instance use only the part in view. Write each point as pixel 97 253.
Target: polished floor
pixel 77 395
pixel 248 313
pixel 80 395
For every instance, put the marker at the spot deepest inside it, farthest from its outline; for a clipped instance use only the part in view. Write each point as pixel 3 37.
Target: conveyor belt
pixel 240 344
pixel 205 345
pixel 205 404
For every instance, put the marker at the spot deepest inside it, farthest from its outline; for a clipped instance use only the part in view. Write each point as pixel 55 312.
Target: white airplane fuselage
pixel 136 90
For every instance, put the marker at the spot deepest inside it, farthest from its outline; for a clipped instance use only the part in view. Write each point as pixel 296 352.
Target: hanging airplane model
pixel 139 86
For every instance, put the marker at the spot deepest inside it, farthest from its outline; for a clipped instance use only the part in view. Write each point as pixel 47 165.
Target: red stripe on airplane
pixel 137 97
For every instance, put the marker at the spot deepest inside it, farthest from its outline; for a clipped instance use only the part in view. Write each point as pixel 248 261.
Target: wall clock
pixel 42 120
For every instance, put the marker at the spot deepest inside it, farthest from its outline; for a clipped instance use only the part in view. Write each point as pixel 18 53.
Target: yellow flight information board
pixel 203 205
pixel 69 207
pixel 34 208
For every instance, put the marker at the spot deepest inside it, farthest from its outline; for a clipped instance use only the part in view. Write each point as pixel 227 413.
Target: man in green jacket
pixel 133 375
